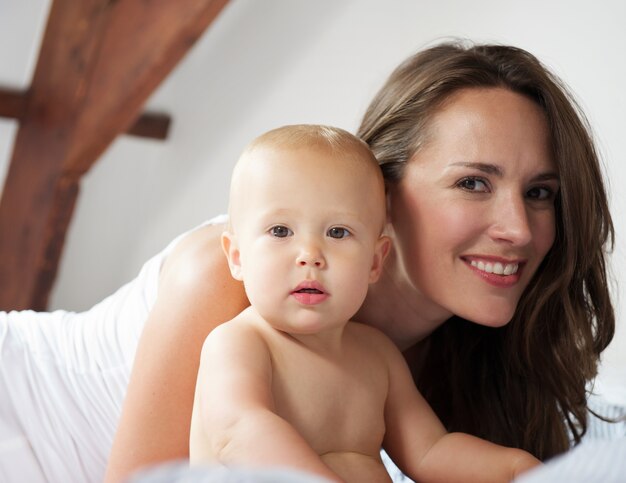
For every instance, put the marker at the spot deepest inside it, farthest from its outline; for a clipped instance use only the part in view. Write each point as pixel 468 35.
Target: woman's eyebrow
pixel 497 171
pixel 484 167
pixel 550 176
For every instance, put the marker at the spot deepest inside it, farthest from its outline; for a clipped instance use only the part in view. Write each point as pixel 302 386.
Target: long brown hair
pixel 524 384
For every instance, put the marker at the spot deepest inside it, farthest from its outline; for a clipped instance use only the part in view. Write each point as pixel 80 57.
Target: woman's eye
pixel 540 193
pixel 337 232
pixel 473 184
pixel 280 231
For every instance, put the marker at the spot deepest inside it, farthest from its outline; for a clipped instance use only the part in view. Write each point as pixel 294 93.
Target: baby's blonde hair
pixel 312 135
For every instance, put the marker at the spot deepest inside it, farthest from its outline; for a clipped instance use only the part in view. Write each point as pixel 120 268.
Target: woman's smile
pixel 498 273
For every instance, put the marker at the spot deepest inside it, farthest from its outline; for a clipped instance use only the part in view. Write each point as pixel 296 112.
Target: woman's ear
pixel 231 250
pixel 381 250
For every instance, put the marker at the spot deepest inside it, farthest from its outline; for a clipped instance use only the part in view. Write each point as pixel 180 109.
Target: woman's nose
pixel 311 255
pixel 510 221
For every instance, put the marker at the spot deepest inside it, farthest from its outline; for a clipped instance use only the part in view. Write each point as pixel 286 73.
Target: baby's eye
pixel 473 184
pixel 338 232
pixel 540 193
pixel 280 231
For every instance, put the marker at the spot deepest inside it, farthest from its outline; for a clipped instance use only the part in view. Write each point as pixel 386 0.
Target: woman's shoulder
pixel 195 279
pixel 196 257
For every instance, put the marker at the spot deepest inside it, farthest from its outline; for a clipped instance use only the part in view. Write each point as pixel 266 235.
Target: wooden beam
pixel 13 103
pixel 144 41
pixel 149 125
pixel 99 62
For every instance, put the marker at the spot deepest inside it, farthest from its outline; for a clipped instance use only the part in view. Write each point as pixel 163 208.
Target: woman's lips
pixel 497 272
pixel 310 292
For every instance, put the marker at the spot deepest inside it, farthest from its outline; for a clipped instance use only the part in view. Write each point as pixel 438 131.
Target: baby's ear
pixel 383 245
pixel 231 249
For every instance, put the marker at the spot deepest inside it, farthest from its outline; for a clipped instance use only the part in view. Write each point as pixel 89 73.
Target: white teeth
pixel 497 268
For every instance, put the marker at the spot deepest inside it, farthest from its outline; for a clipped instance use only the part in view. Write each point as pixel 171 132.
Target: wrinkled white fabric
pixel 63 376
pixel 593 461
pixel 599 429
pixel 180 472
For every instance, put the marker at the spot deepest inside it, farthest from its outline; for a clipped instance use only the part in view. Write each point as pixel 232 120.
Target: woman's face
pixel 473 216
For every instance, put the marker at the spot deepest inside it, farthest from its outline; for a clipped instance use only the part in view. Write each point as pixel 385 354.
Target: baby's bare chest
pixel 335 405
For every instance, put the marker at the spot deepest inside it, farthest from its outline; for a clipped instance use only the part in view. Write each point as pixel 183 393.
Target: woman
pixel 522 385
pixel 496 287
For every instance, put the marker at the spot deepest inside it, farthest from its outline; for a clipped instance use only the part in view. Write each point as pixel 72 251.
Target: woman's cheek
pixel 544 232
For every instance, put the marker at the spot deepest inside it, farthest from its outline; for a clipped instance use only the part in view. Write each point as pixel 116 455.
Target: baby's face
pixel 308 234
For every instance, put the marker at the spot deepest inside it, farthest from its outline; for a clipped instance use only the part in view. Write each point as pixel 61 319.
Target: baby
pixel 291 381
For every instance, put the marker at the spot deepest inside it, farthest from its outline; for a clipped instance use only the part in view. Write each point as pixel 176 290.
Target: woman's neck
pixel 394 306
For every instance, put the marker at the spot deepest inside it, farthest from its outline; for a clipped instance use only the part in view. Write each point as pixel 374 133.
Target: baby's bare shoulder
pixel 238 332
pixel 374 344
pixel 371 336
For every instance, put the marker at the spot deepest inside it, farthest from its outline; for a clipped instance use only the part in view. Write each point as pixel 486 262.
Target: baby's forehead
pixel 307 171
pixel 338 160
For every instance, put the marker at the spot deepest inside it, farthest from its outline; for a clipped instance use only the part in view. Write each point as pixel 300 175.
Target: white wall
pixel 272 62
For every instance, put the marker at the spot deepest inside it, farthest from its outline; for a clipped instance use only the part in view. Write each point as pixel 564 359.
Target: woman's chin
pixel 492 318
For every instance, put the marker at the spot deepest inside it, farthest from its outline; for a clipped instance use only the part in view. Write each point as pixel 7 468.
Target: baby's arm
pixel 234 409
pixel 462 457
pixel 418 443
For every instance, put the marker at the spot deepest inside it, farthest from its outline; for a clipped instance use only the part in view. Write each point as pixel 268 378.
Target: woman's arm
pixel 196 293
